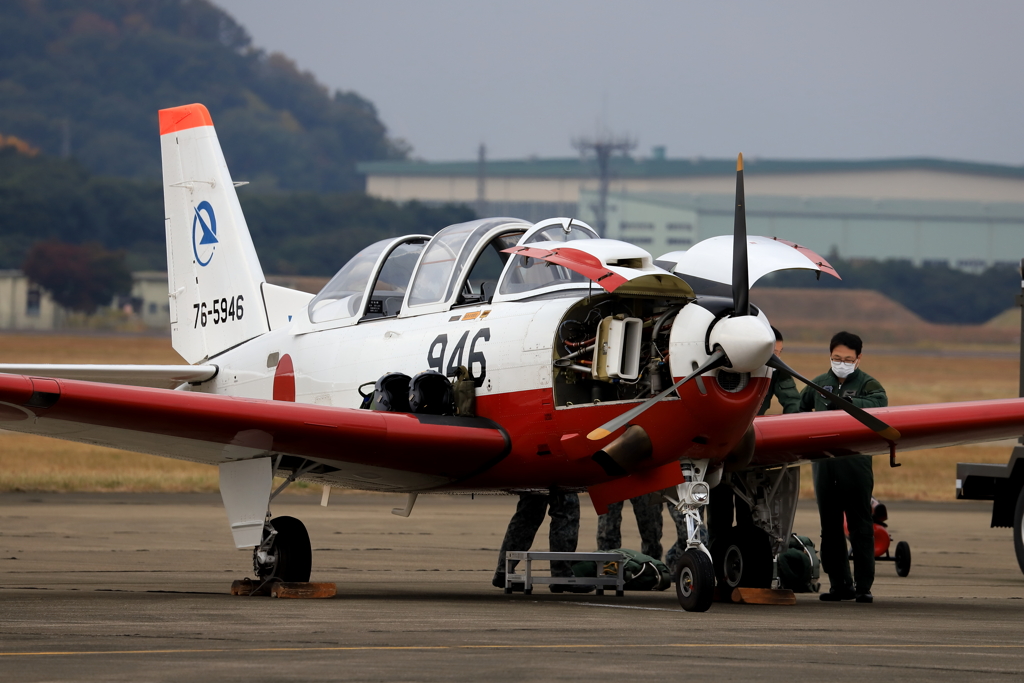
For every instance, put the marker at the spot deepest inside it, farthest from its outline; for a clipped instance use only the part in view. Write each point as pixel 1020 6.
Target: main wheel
pixel 695 581
pixel 291 550
pixel 727 559
pixel 743 557
pixel 1018 530
pixel 903 558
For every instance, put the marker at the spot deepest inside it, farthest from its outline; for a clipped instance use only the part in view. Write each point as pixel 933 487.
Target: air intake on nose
pixel 733 382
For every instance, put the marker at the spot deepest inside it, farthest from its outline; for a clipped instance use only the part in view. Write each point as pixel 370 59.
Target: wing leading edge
pixel 803 437
pixel 368 449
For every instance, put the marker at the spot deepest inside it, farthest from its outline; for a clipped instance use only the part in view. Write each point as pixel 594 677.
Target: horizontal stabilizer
pixel 157 376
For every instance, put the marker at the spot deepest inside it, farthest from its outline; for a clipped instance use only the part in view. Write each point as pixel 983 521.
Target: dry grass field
pixel 38 464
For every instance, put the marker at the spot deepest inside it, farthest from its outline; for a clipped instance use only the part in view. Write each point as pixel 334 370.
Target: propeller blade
pixel 740 272
pixel 870 421
pixel 716 360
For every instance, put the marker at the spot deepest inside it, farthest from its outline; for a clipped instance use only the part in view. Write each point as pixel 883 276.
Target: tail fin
pixel 213 272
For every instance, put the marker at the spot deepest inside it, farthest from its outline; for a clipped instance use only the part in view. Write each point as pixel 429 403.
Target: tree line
pixel 118 225
pixel 934 291
pixel 87 79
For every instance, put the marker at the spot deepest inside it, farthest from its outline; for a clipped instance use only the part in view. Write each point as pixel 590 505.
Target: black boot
pixel 837 595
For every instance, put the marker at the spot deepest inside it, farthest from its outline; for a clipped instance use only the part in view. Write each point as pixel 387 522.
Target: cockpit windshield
pixel 527 274
pixel 441 265
pixel 342 297
pixel 395 273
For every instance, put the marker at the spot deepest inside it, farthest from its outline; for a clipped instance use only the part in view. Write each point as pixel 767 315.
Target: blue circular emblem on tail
pixel 204 233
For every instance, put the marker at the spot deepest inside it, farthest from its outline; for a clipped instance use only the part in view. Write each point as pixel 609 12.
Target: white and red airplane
pixel 582 364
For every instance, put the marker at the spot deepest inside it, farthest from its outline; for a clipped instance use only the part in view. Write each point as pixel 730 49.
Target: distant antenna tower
pixel 65 139
pixel 481 181
pixel 603 148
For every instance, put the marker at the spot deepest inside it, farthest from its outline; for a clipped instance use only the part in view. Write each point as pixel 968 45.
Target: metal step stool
pixel 528 579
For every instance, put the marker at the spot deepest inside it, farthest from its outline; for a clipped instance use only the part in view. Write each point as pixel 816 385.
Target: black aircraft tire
pixel 1018 530
pixel 902 558
pixel 695 581
pixel 727 560
pixel 759 560
pixel 293 550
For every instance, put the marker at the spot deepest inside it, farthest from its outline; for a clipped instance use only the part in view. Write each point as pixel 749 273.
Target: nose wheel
pixel 285 552
pixel 695 581
pixel 694 572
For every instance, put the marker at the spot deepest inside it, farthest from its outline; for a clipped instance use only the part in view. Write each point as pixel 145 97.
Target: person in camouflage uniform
pixel 647 510
pixel 563 533
pixel 844 485
pixel 675 553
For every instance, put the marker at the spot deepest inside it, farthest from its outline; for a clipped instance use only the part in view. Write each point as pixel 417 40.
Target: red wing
pixel 214 429
pixel 811 436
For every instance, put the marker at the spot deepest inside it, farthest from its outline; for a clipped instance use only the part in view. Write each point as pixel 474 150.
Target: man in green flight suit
pixel 782 387
pixel 845 484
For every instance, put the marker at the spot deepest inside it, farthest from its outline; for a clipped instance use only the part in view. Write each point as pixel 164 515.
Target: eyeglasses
pixel 848 359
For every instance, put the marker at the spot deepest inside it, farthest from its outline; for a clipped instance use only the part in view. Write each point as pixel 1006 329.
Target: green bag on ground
pixel 799 569
pixel 640 573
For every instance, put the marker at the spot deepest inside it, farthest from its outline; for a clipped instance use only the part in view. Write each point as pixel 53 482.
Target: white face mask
pixel 843 370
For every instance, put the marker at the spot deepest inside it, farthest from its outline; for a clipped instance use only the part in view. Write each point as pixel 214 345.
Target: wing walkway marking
pixel 563 646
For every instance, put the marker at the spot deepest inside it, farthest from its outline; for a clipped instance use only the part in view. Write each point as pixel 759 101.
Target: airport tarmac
pixel 134 587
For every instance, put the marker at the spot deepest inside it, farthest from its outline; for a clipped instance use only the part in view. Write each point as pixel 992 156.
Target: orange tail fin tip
pixel 182 118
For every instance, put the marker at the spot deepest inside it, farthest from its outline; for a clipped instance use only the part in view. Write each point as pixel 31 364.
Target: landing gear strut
pixel 695 575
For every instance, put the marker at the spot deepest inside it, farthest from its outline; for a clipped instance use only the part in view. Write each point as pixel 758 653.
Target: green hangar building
pixel 968 215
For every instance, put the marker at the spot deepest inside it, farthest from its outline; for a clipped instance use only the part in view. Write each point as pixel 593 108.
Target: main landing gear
pixel 695 575
pixel 742 555
pixel 765 505
pixel 281 547
pixel 284 553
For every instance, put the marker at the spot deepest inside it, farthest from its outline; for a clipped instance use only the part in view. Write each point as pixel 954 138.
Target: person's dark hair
pixel 848 339
pixel 778 335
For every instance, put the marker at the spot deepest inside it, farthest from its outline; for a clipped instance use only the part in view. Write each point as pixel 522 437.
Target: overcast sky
pixel 772 79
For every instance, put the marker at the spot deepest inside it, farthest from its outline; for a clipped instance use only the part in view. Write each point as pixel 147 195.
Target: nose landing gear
pixel 695 574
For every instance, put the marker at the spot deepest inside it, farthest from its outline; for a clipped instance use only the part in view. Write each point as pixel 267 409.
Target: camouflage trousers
pixel 563 534
pixel 677 549
pixel 647 510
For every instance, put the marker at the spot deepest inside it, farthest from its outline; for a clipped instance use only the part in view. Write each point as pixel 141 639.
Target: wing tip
pixel 890 434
